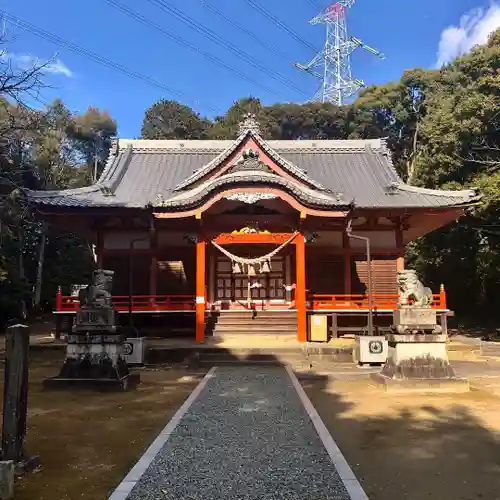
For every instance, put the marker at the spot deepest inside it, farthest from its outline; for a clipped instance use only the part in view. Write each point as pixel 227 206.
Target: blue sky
pixel 410 34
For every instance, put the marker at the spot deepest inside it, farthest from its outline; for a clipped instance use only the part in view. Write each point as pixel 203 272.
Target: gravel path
pixel 247 436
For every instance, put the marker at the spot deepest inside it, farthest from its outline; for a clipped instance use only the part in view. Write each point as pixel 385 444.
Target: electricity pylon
pixel 334 60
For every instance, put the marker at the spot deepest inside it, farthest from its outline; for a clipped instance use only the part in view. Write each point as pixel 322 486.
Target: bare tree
pixel 18 126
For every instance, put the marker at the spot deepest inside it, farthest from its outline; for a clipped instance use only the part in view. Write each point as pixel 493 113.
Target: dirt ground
pixel 414 446
pixel 88 441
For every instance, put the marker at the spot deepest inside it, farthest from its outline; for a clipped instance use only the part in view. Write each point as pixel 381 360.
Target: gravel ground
pixel 247 437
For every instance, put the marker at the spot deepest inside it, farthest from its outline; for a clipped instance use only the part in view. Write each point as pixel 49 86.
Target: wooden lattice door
pixel 263 286
pixel 276 279
pixel 224 281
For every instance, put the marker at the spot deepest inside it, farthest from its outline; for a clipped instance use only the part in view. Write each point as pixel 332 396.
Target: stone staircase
pixel 299 358
pixel 254 322
pixel 262 338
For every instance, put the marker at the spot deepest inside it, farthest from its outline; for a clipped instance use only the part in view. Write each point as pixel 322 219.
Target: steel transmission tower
pixel 334 60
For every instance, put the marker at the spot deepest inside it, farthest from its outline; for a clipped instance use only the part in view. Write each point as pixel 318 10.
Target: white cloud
pixel 473 29
pixel 58 67
pixel 26 61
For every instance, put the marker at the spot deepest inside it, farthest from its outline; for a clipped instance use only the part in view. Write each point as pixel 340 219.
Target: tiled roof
pixel 361 170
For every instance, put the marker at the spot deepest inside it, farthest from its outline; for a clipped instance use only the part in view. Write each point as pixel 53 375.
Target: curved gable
pixel 238 153
pixel 254 179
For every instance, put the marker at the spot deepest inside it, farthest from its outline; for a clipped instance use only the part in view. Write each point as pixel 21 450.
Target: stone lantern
pixel 95 351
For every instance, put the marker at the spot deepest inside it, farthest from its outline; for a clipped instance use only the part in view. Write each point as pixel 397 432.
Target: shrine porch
pixel 174 316
pixel 165 290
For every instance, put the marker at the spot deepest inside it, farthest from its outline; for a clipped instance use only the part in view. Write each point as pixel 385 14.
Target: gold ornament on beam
pixel 250 230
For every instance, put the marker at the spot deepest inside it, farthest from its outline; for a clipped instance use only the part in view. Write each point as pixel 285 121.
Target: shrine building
pixel 208 228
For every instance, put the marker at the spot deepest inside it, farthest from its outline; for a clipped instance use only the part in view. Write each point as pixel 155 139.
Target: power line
pixel 217 39
pixel 181 41
pixel 280 24
pixel 315 5
pixel 66 44
pixel 232 22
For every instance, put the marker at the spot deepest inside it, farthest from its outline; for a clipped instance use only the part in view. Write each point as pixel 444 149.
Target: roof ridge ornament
pixel 249 124
pixel 114 146
pixel 250 153
pixel 250 160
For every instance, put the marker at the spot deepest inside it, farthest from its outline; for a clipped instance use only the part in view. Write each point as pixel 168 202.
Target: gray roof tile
pixel 361 170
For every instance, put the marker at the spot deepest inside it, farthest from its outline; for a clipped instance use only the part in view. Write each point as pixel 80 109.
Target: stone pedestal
pixel 419 362
pixel 94 361
pixel 418 358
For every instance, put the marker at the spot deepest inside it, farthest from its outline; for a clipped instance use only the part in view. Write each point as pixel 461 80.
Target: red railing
pixel 379 301
pixel 150 303
pixel 318 302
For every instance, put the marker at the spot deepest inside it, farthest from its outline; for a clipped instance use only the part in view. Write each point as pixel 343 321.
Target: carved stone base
pixel 414 320
pixel 419 362
pixel 417 357
pixel 94 361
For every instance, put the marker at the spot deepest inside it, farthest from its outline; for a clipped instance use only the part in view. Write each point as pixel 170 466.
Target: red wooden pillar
pixel 300 291
pixel 400 260
pixel 59 299
pixel 442 297
pixel 153 269
pixel 200 289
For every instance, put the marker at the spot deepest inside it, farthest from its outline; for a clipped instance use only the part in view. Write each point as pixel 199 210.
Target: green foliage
pixel 279 121
pixel 49 149
pixel 171 120
pixel 226 127
pixel 459 147
pixel 92 133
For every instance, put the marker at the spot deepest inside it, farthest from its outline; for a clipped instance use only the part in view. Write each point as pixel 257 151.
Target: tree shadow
pixel 484 328
pixel 415 451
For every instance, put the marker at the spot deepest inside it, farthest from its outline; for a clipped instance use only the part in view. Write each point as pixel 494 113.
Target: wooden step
pixel 230 317
pixel 260 316
pixel 274 321
pixel 259 333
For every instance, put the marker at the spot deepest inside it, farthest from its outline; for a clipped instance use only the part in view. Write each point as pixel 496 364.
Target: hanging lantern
pixel 265 267
pixel 251 270
pixel 237 268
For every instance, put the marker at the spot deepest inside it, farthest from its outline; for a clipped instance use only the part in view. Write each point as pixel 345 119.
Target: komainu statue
pixel 98 294
pixel 411 291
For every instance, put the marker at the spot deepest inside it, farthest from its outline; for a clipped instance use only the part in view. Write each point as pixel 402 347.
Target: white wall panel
pixel 170 238
pixel 378 239
pixel 329 238
pixel 121 240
